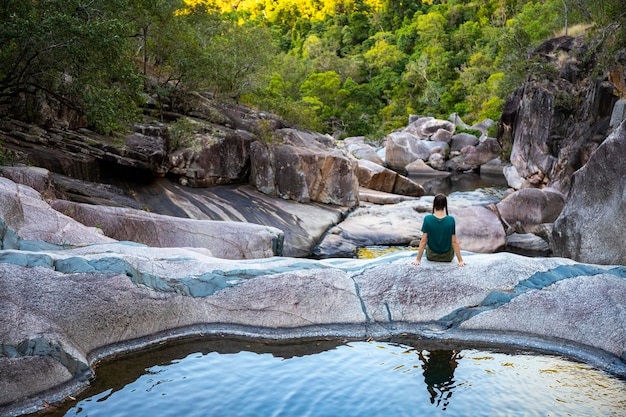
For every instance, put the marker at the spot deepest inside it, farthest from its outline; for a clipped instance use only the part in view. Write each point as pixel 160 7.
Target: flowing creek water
pixel 357 378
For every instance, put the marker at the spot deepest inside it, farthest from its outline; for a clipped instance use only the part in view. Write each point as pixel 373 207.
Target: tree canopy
pixel 358 67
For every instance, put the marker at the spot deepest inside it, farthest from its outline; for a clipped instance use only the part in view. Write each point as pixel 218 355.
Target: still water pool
pixel 460 183
pixel 350 379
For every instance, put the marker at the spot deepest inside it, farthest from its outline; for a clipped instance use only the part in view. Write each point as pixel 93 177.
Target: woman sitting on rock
pixel 439 235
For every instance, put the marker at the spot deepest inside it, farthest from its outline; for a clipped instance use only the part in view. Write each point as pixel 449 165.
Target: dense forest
pixel 347 67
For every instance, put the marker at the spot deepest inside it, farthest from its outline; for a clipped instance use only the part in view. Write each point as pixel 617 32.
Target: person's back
pixel 439 235
pixel 440 232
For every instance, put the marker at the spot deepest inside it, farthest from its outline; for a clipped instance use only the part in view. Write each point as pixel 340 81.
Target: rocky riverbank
pixel 63 311
pixel 110 244
pixel 74 296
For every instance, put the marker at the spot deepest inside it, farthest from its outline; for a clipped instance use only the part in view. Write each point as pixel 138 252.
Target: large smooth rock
pixel 229 240
pixel 375 177
pixel 442 135
pixel 560 312
pixel 402 148
pixel 389 225
pixel 426 126
pixel 420 168
pixel 302 224
pixel 379 178
pixel 530 207
pixel 513 178
pixel 527 243
pixel 461 140
pixel 592 225
pixel 39 179
pixel 437 290
pixel 406 186
pixel 479 230
pixel 553 122
pixel 482 153
pixel 305 167
pixel 361 150
pixel 438 147
pixel 72 308
pixel 379 197
pixel 27 222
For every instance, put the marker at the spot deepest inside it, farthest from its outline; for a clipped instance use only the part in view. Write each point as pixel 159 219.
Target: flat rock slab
pixel 63 311
pixel 302 224
pixel 565 310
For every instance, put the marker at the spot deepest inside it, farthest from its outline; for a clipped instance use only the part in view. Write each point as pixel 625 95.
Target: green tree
pixel 361 108
pixel 79 53
pixel 609 18
pixel 384 55
pixel 323 93
pixel 236 59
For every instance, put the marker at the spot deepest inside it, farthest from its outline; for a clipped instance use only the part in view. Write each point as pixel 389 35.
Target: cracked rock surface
pixel 62 311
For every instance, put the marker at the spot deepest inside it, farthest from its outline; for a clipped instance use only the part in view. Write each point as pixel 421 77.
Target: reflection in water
pixel 439 366
pixel 334 378
pixel 459 183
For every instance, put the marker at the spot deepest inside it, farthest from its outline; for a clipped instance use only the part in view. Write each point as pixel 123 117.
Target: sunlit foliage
pixel 347 67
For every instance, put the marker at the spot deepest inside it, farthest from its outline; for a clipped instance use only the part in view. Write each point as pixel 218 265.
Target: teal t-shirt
pixel 440 232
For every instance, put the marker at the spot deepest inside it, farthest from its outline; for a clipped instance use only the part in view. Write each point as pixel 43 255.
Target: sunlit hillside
pixel 346 67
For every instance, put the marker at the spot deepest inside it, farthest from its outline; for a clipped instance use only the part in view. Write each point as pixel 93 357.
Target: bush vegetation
pixel 358 67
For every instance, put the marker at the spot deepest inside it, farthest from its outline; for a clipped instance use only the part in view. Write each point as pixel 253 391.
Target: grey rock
pixel 565 310
pixel 527 243
pixel 419 168
pixel 301 224
pixel 361 150
pixel 483 126
pixel 552 123
pixel 461 140
pixel 513 178
pixel 378 178
pixel 482 153
pixel 458 122
pixel 367 195
pixel 436 161
pixel 592 225
pixel 530 207
pixel 442 135
pixel 93 302
pixel 619 113
pixel 27 221
pixel 494 167
pixel 439 147
pixel 305 167
pixel 214 156
pixel 375 177
pixel 425 127
pixel 478 229
pixel 402 148
pixel 229 240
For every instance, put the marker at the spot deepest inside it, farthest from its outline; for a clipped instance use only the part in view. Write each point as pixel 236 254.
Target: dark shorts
pixel 439 257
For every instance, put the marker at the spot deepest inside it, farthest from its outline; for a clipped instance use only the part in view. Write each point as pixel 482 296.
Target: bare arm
pixel 457 250
pixel 420 249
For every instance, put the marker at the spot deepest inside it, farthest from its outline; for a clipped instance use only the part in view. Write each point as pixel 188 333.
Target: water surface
pixel 460 182
pixel 347 379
